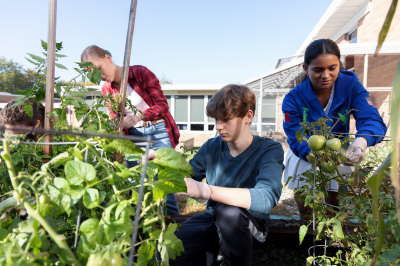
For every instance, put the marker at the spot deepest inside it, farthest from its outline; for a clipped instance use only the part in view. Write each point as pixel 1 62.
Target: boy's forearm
pixel 239 197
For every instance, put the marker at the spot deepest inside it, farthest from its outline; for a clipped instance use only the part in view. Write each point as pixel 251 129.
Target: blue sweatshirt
pixel 349 94
pixel 259 168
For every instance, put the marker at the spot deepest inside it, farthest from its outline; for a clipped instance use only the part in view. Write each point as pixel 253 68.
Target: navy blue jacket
pixel 349 94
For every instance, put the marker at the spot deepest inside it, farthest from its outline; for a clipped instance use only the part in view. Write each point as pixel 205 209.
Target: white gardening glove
pixel 356 151
pixel 131 120
pixel 197 190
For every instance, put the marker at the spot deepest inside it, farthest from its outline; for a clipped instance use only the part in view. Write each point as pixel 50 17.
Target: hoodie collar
pixel 343 85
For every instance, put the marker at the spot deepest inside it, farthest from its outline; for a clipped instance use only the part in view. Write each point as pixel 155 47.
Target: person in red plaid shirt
pixel 144 92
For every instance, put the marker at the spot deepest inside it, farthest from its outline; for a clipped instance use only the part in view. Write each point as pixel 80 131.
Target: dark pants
pixel 229 230
pixel 171 204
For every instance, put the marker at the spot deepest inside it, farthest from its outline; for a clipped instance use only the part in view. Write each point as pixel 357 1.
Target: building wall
pixel 370 25
pixel 342 39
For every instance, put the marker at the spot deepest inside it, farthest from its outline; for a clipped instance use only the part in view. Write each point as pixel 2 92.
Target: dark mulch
pixel 284 250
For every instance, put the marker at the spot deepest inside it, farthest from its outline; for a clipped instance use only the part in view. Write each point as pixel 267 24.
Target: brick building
pixel 354 25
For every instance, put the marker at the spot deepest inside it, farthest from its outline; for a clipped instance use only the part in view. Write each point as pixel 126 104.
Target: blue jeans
pixel 161 138
pixel 157 131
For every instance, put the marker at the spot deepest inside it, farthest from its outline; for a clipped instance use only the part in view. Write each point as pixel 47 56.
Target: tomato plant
pixel 41 203
pixel 359 202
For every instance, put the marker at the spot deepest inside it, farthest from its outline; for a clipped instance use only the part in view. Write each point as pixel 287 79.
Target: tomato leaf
pixel 77 172
pixel 91 198
pixel 168 157
pixel 169 181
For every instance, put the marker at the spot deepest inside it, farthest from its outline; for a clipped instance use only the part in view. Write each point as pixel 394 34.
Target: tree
pixel 164 80
pixel 13 77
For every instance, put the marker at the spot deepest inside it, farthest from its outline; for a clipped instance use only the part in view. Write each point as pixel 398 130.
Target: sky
pixel 188 41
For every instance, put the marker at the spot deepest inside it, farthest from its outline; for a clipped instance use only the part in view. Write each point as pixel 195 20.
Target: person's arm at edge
pixel 289 106
pixel 368 119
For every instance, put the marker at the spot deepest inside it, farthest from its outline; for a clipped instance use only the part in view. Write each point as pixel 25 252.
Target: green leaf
pixel 83 79
pixel 124 206
pixel 147 250
pixel 30 61
pixel 168 157
pixel 337 230
pixel 393 224
pixel 126 147
pixel 172 245
pixel 123 172
pixel 28 109
pixel 3 233
pixel 60 66
pixel 302 233
pixel 60 55
pixel 44 45
pixel 386 25
pixel 373 184
pixel 76 153
pixel 37 58
pixel 58 46
pixel 91 198
pixel 62 158
pixel 7 203
pixel 78 172
pixel 169 181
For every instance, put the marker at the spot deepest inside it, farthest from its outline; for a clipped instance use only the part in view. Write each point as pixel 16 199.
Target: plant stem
pixel 104 166
pixel 341 177
pixel 59 239
pixel 104 179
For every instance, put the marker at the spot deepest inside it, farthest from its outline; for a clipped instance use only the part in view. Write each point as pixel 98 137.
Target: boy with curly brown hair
pixel 243 174
pixel 14 118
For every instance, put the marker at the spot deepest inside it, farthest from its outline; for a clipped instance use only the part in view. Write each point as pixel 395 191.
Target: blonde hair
pixel 93 51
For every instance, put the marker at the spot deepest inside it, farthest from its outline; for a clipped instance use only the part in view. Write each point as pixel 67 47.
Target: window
pixel 169 101
pixel 268 114
pixel 352 37
pixel 181 112
pixel 197 109
pixel 254 122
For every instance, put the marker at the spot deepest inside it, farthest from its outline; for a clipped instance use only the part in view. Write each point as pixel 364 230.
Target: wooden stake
pixel 51 55
pixel 125 68
pixel 127 56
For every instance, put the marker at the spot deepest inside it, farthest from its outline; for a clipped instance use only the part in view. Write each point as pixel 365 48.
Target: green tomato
pixel 115 259
pixel 328 167
pixel 316 143
pixel 96 260
pixel 334 144
pixel 44 199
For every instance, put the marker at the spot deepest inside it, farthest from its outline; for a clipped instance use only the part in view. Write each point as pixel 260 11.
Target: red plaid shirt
pixel 146 84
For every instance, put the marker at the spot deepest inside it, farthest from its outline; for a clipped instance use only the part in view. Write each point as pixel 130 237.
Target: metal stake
pixel 315 169
pixel 137 214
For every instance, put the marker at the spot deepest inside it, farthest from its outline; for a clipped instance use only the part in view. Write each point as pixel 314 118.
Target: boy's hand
pixel 197 190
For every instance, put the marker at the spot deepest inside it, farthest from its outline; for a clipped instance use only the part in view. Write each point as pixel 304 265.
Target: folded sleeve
pixel 267 191
pixel 368 119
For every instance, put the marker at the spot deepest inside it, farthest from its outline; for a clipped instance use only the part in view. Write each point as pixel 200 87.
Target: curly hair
pixel 17 116
pixel 231 101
